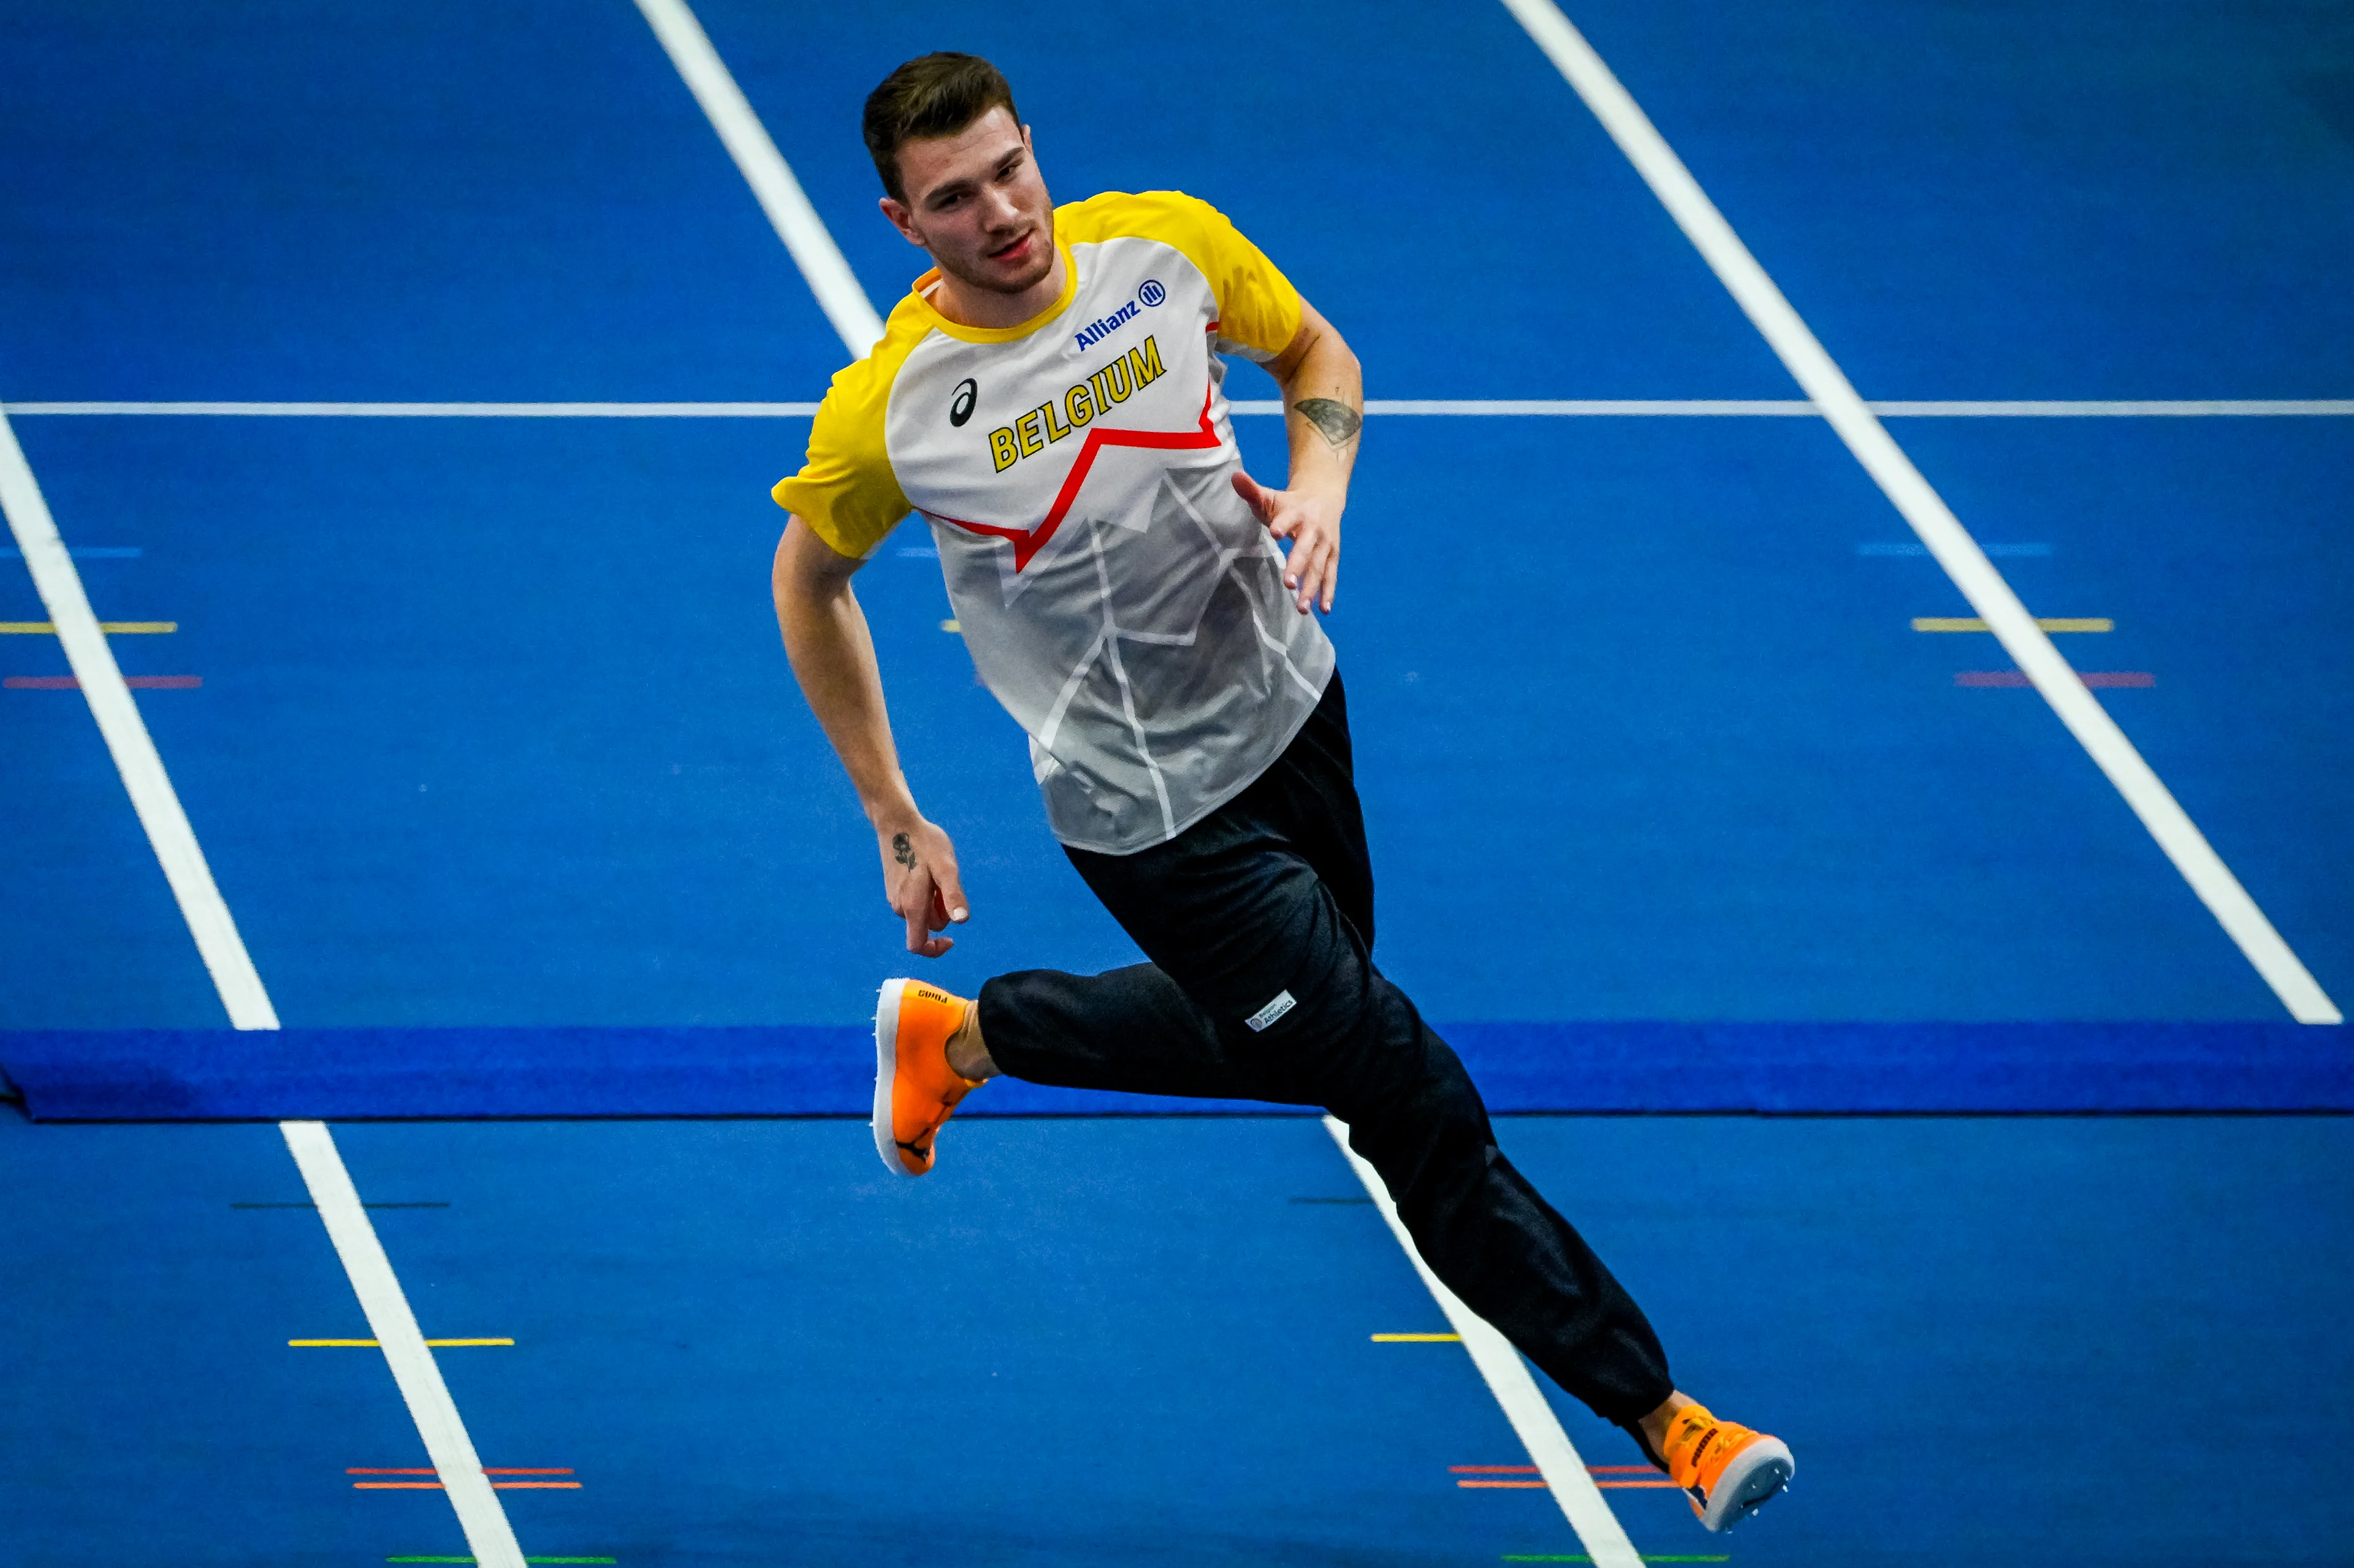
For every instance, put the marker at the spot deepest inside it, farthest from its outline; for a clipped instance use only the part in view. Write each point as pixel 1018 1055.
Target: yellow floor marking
pixel 951 625
pixel 371 1344
pixel 1417 1338
pixel 2049 623
pixel 48 629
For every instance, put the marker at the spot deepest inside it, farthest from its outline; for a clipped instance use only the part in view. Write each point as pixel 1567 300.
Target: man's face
pixel 976 202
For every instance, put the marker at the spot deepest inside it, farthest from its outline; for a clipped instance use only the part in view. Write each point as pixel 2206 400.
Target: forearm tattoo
pixel 1335 420
pixel 901 850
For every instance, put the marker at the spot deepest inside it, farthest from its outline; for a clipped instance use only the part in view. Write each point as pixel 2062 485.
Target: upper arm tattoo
pixel 1336 420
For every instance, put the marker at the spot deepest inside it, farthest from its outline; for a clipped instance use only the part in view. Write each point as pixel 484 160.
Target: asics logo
pixel 961 405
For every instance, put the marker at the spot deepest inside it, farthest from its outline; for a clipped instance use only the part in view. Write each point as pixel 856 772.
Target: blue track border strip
pixel 1792 1068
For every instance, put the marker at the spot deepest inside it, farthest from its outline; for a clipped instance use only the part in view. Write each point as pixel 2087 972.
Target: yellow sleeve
pixel 846 491
pixel 1259 309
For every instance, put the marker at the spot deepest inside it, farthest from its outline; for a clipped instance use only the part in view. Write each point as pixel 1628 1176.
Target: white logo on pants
pixel 1271 1011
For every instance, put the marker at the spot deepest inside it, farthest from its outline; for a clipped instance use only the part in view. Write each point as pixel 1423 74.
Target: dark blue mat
pixel 198 1074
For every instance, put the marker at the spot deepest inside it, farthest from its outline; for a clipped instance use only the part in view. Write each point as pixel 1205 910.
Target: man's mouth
pixel 1017 251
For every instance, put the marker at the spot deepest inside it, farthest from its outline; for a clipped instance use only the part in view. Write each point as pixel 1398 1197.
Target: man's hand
pixel 1312 521
pixel 1323 410
pixel 920 883
pixel 833 658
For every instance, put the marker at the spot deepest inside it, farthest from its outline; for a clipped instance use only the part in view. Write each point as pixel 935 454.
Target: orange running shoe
pixel 914 1087
pixel 1728 1469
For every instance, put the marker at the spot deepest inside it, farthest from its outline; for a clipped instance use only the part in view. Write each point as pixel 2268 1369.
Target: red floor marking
pixel 487 1469
pixel 67 684
pixel 1532 1469
pixel 1506 1486
pixel 2094 678
pixel 1642 1486
pixel 522 1486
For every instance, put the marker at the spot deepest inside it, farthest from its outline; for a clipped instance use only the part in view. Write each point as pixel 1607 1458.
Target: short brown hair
pixel 931 95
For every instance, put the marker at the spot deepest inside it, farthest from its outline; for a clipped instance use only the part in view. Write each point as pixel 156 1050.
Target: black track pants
pixel 1271 897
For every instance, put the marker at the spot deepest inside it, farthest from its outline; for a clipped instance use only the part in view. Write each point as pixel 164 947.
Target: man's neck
pixel 967 305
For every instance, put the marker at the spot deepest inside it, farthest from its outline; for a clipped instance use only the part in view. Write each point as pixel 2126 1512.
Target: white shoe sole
pixel 1755 1474
pixel 886 1068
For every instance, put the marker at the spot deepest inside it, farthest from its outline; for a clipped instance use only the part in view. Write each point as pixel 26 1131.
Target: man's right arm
pixel 833 658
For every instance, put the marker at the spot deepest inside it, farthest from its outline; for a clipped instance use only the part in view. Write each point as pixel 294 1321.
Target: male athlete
pixel 1049 398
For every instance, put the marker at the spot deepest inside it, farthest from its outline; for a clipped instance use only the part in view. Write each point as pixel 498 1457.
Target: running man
pixel 1049 398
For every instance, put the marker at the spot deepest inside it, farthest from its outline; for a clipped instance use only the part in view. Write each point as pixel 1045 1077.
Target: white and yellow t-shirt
pixel 1118 598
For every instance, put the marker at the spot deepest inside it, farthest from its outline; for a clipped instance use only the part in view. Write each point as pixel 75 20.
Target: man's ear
pixel 899 214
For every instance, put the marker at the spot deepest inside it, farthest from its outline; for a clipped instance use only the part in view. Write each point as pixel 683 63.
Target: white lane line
pixel 241 992
pixel 1489 408
pixel 2124 408
pixel 1508 1379
pixel 487 1534
pixel 1829 389
pixel 1800 408
pixel 764 170
pixel 438 411
pixel 125 733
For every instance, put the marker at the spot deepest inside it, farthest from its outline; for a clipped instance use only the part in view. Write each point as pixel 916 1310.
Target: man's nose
pixel 1003 209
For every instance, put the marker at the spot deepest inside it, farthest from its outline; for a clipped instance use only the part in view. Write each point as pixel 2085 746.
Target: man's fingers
pixel 1255 495
pixel 921 887
pixel 1328 573
pixel 1314 558
pixel 1300 559
pixel 1270 506
pixel 921 922
pixel 948 899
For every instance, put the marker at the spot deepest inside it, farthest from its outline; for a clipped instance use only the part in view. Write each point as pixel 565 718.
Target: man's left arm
pixel 1323 409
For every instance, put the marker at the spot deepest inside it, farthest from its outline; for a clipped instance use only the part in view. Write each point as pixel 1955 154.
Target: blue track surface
pixel 494 735
pixel 1088 1340
pixel 225 1075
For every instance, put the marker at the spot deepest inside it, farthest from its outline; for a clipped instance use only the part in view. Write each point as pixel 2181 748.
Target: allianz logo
pixel 1095 332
